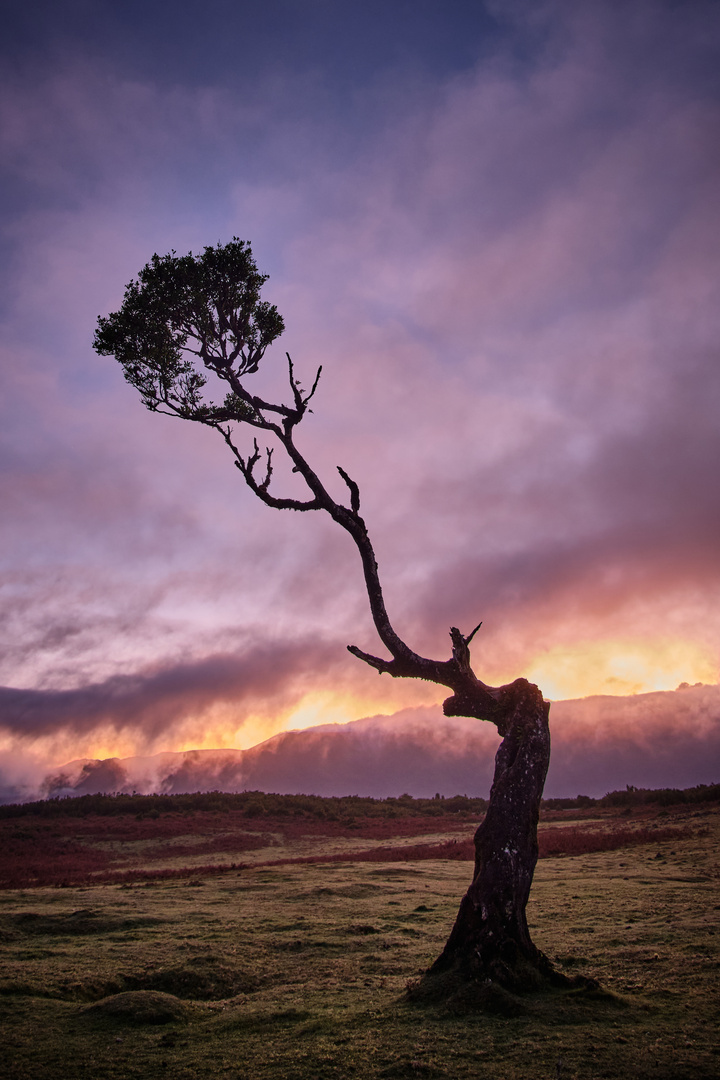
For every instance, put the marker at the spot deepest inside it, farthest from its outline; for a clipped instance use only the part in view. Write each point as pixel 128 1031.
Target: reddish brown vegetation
pixel 567 841
pixel 99 849
pixel 574 841
pixel 94 849
pixel 30 857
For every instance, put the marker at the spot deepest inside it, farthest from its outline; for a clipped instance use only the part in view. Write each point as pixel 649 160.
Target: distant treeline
pixel 258 804
pixel 634 796
pixel 252 804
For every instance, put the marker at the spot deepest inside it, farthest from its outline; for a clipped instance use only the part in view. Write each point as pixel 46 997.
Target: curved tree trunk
pixel 489 953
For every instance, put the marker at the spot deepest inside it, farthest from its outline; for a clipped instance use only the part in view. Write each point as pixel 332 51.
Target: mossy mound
pixel 463 996
pixel 141 1007
pixel 201 979
pixel 512 992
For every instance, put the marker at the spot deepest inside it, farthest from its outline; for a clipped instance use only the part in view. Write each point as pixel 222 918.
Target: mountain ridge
pixel 658 739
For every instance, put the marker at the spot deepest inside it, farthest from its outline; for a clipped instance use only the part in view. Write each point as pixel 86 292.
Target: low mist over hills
pixel 664 739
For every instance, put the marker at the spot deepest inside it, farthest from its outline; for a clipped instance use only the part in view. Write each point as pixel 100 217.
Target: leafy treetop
pixel 186 307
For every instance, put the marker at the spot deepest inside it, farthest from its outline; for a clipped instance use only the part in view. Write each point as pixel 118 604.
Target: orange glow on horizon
pixel 621 667
pixel 615 667
pixel 314 708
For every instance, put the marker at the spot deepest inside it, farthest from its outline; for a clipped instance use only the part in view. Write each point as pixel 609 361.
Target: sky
pixel 495 225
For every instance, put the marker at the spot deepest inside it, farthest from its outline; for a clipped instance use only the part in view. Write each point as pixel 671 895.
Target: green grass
pixel 298 972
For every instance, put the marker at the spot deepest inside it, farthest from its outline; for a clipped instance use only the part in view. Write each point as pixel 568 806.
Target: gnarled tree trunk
pixel 490 945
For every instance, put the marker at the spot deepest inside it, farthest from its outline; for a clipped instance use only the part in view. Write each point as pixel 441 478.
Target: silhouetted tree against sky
pixel 192 318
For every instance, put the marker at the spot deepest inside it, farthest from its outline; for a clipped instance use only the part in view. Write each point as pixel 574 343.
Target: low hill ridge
pixel 654 740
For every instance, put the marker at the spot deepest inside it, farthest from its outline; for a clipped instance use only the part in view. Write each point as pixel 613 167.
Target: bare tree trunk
pixel 489 955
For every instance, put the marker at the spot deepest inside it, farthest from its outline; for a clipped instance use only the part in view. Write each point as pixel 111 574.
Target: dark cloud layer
pixel 153 703
pixel 171 40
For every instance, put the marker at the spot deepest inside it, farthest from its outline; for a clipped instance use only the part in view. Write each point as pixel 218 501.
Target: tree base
pixel 489 961
pixel 500 984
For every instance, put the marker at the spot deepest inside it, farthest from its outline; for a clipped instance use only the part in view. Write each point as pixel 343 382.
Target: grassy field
pixel 298 970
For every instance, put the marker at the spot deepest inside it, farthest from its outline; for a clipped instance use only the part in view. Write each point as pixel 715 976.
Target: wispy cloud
pixel 151 703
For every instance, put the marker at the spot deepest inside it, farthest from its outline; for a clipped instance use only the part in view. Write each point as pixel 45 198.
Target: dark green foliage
pixel 191 316
pixel 190 308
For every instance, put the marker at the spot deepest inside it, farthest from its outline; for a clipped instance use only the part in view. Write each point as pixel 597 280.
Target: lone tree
pixel 188 318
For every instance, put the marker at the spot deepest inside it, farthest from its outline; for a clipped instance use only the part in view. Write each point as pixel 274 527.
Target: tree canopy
pixel 185 309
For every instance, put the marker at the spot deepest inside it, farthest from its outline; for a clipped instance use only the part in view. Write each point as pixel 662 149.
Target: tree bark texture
pixel 491 932
pixel 489 955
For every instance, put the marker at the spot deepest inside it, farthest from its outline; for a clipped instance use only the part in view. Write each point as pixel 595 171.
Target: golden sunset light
pixel 621 667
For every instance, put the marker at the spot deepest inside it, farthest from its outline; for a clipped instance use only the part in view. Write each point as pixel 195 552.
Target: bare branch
pixel 461 653
pixel 382 666
pixel 469 638
pixel 294 416
pixel 311 395
pixel 354 491
pixel 295 386
pixel 256 403
pixel 254 458
pixel 270 500
pixel 268 474
pixel 398 667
